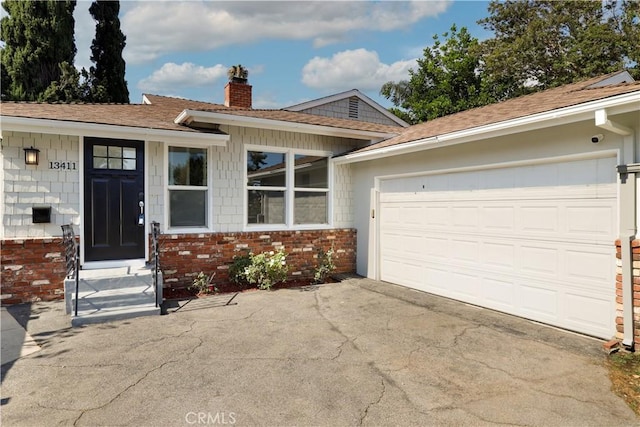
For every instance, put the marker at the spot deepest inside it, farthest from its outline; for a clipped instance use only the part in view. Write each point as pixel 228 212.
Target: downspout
pixel 627 218
pixel 627 234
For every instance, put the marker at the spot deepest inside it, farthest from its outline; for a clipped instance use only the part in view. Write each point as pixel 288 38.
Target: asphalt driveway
pixel 353 353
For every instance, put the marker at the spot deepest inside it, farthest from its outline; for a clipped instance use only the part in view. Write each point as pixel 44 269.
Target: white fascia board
pixel 620 104
pixel 59 127
pixel 190 116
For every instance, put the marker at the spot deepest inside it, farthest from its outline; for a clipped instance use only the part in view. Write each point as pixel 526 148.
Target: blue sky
pixel 295 50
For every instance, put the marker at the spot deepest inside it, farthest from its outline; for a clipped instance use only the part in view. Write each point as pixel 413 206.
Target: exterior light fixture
pixel 31 156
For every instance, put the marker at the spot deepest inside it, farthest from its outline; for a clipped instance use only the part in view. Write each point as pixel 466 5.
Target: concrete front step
pixel 112 294
pixel 110 314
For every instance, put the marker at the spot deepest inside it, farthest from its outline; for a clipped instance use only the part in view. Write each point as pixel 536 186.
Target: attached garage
pixel 534 240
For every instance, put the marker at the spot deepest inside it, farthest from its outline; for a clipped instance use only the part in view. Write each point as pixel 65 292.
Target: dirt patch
pixel 180 293
pixel 624 371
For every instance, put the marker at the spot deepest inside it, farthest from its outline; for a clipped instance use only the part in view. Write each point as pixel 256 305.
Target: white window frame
pixel 289 189
pixel 209 189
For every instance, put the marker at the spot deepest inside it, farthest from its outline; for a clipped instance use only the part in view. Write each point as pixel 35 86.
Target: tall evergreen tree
pixel 108 82
pixel 38 37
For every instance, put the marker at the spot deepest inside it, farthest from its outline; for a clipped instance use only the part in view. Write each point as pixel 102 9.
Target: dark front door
pixel 113 190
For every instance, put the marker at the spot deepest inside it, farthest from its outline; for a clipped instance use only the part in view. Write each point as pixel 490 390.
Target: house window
pixel 287 188
pixel 188 189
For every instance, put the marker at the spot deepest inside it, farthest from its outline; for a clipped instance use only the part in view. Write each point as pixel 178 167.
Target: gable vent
pixel 353 107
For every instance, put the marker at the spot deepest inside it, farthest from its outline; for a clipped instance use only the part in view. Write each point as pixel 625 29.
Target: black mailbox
pixel 41 214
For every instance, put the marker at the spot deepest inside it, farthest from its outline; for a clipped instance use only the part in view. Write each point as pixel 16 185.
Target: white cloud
pixel 157 28
pixel 350 69
pixel 172 75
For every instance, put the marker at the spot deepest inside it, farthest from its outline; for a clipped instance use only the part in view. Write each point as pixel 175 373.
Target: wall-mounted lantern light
pixel 31 156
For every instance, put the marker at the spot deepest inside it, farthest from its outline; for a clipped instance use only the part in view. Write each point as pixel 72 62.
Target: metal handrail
pixel 155 255
pixel 72 258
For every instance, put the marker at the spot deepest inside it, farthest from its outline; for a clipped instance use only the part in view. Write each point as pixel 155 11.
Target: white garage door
pixel 535 241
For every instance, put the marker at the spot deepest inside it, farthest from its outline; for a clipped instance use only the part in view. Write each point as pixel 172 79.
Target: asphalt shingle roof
pixel 162 111
pixel 540 102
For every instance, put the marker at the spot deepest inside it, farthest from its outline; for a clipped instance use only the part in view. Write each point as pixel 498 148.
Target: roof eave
pixel 585 111
pixel 190 116
pixel 49 126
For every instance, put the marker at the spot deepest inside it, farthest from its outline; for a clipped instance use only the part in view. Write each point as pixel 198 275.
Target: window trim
pixel 289 189
pixel 208 228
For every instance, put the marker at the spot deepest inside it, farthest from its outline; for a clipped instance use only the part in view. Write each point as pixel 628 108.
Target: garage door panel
pixel 589 312
pixel 499 294
pixel 591 264
pixel 436 279
pixel 539 303
pixel 465 216
pixel 464 250
pixel 499 255
pixel 534 241
pixel 537 260
pixel 411 273
pixel 412 215
pixel 498 218
pixel 587 220
pixel 436 215
pixel 538 219
pixel 465 286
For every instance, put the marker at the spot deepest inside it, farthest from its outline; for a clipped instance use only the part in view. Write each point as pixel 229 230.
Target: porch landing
pixel 112 294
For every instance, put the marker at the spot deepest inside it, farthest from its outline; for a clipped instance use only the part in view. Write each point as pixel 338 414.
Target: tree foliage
pixel 37 60
pixel 108 76
pixel 540 44
pixel 38 36
pixel 446 80
pixel 537 44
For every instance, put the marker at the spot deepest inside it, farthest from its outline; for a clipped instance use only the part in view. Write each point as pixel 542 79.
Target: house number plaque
pixel 62 165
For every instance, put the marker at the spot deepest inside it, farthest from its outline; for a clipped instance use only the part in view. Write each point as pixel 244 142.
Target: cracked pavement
pixel 358 352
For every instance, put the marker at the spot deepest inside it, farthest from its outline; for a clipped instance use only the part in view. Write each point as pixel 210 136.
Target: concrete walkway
pixel 16 342
pixel 353 353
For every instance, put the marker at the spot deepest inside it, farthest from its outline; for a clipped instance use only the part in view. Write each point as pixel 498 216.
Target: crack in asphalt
pixel 94 365
pixel 375 402
pixel 340 347
pixel 143 377
pixel 383 375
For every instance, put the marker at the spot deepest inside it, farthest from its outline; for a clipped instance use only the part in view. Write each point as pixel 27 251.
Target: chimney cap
pixel 238 74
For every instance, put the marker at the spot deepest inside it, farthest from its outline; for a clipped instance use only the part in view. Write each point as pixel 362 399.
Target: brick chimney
pixel 237 94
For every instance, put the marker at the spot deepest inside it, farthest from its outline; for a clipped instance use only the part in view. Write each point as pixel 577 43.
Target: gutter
pixel 49 126
pixel 187 117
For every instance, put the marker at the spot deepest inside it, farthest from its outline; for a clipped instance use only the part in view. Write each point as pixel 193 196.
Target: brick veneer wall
pixel 183 256
pixel 635 245
pixel 32 270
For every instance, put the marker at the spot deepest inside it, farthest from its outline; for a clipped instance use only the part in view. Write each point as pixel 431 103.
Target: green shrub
pixel 238 267
pixel 202 284
pixel 267 269
pixel 325 265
